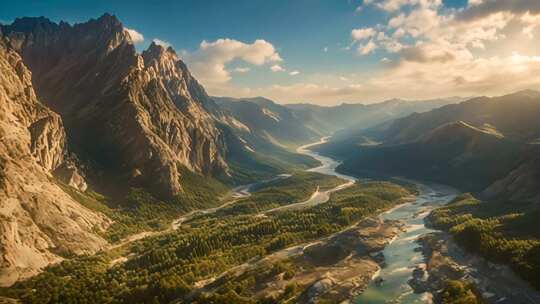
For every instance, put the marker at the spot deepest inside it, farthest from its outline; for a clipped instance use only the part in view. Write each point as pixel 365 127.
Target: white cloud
pixel 367 48
pixel 436 52
pixel 362 33
pixel 136 37
pixel 475 2
pixel 162 43
pixel 241 70
pixel 486 48
pixel 294 73
pixel 277 68
pixel 395 5
pixel 531 22
pixel 325 49
pixel 209 62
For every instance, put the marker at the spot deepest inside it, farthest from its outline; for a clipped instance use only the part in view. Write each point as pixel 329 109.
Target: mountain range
pixel 484 145
pixel 82 108
pixel 83 114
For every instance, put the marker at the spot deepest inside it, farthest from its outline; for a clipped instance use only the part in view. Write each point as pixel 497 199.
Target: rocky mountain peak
pixel 28 24
pixel 146 110
pixel 165 56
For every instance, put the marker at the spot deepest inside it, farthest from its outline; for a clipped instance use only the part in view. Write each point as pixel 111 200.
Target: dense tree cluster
pixel 459 292
pixel 168 266
pixel 500 231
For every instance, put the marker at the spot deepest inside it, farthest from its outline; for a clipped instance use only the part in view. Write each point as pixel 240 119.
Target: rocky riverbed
pixel 445 260
pixel 334 269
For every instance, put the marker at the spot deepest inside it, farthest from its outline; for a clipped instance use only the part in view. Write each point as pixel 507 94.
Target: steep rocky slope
pixel 38 221
pixel 140 116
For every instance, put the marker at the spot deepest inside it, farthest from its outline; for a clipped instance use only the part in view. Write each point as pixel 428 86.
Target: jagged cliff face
pixel 36 217
pixel 144 116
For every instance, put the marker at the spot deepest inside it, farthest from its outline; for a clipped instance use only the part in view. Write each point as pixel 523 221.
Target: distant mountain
pixel 359 116
pixel 515 116
pixel 485 145
pixel 269 120
pixel 455 153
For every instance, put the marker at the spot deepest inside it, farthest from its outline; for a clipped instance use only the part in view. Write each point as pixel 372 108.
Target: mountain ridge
pixel 39 222
pixel 137 108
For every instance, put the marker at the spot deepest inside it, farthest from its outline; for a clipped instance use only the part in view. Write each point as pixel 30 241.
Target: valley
pixel 122 180
pixel 234 222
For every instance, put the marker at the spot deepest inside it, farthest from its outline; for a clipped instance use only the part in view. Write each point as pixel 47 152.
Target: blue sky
pixel 321 59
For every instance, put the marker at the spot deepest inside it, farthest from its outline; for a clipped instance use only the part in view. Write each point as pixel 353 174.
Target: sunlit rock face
pixel 38 221
pixel 132 112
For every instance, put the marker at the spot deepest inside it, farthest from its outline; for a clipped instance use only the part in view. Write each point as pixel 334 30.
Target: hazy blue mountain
pixel 268 120
pixel 513 115
pixel 360 116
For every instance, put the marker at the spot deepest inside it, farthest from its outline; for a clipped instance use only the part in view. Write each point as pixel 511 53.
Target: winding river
pixel 400 256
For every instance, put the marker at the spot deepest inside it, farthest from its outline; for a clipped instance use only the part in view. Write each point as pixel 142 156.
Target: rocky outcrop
pixel 70 174
pixel 144 113
pixel 38 221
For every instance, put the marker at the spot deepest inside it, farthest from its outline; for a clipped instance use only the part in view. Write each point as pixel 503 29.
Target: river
pixel 401 255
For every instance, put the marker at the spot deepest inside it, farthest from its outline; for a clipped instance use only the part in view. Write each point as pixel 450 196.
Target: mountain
pixel 520 184
pixel 484 145
pixel 271 121
pixel 455 153
pixel 40 223
pixel 360 116
pixel 142 120
pixel 144 113
pixel 513 115
pixel 89 121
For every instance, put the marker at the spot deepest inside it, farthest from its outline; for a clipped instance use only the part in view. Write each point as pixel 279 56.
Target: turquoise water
pixel 401 256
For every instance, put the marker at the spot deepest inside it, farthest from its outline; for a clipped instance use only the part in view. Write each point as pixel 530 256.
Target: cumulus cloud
pixel 136 37
pixel 362 33
pixel 488 47
pixel 208 63
pixel 395 5
pixel 531 22
pixel 487 7
pixel 162 43
pixel 294 73
pixel 436 52
pixel 365 49
pixel 277 68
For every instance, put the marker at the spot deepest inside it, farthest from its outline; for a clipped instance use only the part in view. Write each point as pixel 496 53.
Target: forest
pixel 502 232
pixel 170 266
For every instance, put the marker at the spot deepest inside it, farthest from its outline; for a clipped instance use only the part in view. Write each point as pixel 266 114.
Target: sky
pixel 331 51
